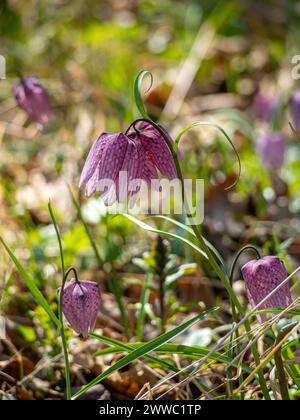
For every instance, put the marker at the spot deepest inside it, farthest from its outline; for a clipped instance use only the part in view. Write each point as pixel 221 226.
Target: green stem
pixel 60 312
pixel 254 248
pixel 223 277
pixel 229 371
pixel 112 281
pixel 281 376
pixel 72 269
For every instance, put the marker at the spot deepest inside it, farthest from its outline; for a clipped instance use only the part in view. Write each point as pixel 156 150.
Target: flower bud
pixel 271 147
pixel 80 305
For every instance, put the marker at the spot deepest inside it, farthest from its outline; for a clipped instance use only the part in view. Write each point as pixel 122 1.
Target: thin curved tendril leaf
pixel 145 349
pixel 185 350
pixel 137 92
pixel 178 138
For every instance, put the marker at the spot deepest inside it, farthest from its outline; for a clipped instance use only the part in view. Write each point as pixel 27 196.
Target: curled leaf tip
pixel 137 91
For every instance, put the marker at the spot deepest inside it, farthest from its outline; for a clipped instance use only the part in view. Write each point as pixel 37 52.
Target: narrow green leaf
pixel 144 350
pixel 36 293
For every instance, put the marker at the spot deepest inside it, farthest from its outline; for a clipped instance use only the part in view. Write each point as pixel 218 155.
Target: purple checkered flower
pixel 271 147
pixel 32 97
pixel 261 277
pixel 141 153
pixel 295 110
pixel 80 304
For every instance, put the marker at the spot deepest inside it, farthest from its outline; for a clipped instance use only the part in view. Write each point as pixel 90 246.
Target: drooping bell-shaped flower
pixel 295 110
pixel 80 305
pixel 157 152
pixel 123 159
pixel 271 148
pixel 32 97
pixel 264 106
pixel 261 277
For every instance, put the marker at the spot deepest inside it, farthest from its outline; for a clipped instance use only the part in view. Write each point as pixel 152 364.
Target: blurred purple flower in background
pixel 271 148
pixel 264 106
pixel 80 304
pixel 295 110
pixel 140 154
pixel 261 277
pixel 32 97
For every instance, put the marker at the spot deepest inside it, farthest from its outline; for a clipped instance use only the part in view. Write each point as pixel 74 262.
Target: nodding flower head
pixel 139 153
pixel 264 106
pixel 80 305
pixel 261 277
pixel 295 110
pixel 271 147
pixel 32 97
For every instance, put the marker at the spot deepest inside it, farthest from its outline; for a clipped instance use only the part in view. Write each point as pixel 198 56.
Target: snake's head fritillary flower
pixel 32 97
pixel 295 110
pixel 264 106
pixel 271 147
pixel 261 277
pixel 80 305
pixel 157 152
pixel 139 154
pixel 111 155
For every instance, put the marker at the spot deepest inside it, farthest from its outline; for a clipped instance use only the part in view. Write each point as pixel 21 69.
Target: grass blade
pixel 190 230
pixel 144 301
pixel 170 348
